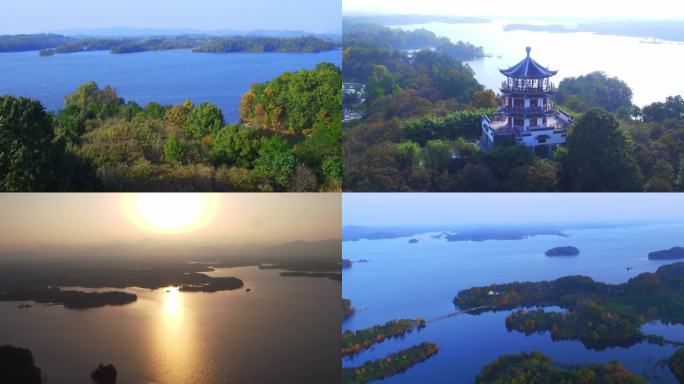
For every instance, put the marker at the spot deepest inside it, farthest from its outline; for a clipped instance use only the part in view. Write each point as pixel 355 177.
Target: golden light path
pixel 170 212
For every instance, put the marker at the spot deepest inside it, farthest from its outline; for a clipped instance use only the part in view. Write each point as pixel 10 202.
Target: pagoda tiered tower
pixel 526 112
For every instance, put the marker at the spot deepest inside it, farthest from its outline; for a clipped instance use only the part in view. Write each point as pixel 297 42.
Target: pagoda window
pixel 546 101
pixel 544 121
pixel 518 122
pixel 533 102
pixel 533 122
pixel 519 102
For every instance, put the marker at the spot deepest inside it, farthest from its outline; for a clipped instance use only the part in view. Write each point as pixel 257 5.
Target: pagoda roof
pixel 528 69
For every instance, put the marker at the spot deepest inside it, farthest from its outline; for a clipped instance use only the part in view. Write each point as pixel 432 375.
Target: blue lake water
pixel 403 280
pixel 168 77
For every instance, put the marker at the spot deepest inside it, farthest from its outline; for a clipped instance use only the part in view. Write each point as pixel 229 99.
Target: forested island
pixel 539 369
pixel 356 341
pixel 597 314
pixel 391 365
pixel 416 125
pixel 347 308
pixel 288 140
pixel 667 254
pixel 51 44
pixel 326 275
pixel 562 251
pixel 68 298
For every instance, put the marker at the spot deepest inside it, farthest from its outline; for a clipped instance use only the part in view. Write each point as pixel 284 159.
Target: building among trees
pixel 526 114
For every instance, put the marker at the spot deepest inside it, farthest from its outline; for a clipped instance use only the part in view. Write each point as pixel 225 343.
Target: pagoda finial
pixel 528 49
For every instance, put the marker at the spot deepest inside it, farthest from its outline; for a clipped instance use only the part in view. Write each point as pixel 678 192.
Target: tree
pixel 173 150
pixel 600 156
pixel 206 118
pixel 235 144
pixel 275 162
pixel 437 155
pixel 484 99
pixel 28 159
pixel 595 89
pixel 303 179
pixel 104 374
pixel 178 114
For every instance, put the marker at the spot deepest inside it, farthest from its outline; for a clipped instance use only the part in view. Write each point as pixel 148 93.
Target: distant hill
pixel 140 32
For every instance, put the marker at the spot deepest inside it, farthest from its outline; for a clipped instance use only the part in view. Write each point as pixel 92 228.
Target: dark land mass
pixel 676 364
pixel 539 369
pixel 37 274
pixel 17 366
pixel 391 365
pixel 346 263
pixel 501 234
pixel 67 298
pixel 597 314
pixel 413 241
pixel 104 374
pixel 51 44
pixel 668 254
pixel 562 251
pixel 368 36
pixel 347 308
pixel 330 275
pixel 389 20
pixel 356 341
pixel 665 30
pixel 462 233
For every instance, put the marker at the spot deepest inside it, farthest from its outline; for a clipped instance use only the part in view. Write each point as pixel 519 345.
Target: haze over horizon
pixel 436 209
pixel 41 16
pixel 629 9
pixel 78 220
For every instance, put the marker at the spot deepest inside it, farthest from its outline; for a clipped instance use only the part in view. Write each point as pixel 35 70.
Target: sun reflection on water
pixel 174 346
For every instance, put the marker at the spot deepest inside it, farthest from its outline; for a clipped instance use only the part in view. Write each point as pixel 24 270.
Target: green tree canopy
pixel 203 120
pixel 600 156
pixel 595 89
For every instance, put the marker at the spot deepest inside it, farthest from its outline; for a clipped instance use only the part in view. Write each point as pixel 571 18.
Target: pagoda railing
pixel 528 110
pixel 525 89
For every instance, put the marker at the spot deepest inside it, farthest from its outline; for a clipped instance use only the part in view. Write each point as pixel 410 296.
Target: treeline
pixel 50 44
pixel 536 368
pixel 372 36
pixel 101 142
pixel 356 341
pixel 266 44
pixel 32 42
pixel 391 365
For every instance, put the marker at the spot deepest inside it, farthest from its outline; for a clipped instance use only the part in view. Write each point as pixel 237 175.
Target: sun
pixel 169 212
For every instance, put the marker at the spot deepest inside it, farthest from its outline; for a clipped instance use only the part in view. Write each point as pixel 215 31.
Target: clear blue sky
pixel 27 16
pixel 407 209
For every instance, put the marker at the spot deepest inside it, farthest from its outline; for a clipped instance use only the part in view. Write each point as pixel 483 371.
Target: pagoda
pixel 526 114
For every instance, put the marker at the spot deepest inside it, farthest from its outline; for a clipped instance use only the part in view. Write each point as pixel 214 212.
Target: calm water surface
pixel 651 70
pixel 284 330
pixel 403 280
pixel 168 77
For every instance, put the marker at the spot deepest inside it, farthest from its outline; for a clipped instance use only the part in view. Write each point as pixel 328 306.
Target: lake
pixel 285 330
pixel 651 70
pixel 167 77
pixel 403 280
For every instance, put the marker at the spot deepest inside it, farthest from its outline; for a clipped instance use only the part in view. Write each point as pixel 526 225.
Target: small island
pixel 68 298
pixel 346 263
pixel 673 253
pixel 104 374
pixel 562 251
pixel 413 241
pixel 513 368
pixel 329 275
pixel 597 314
pixel 356 341
pixel 347 308
pixel 389 366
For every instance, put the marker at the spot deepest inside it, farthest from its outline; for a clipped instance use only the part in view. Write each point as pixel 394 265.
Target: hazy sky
pixel 239 218
pixel 406 209
pixel 29 16
pixel 666 9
